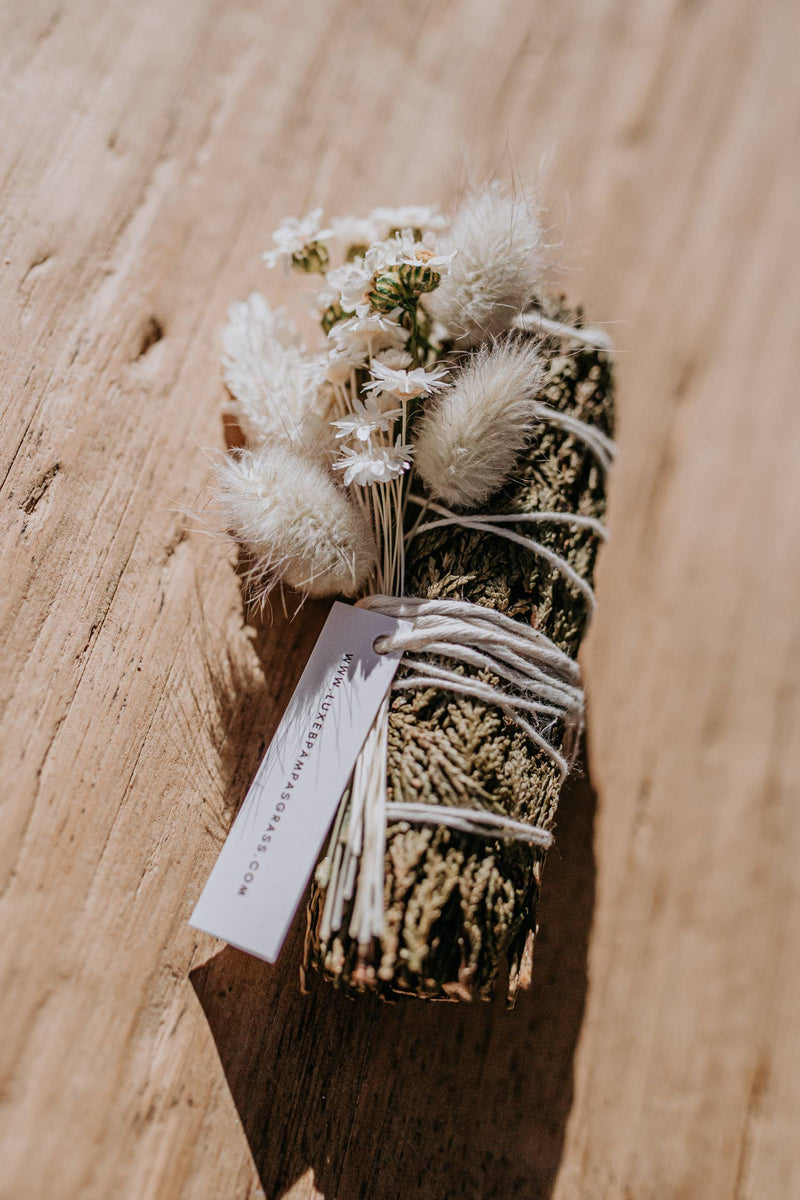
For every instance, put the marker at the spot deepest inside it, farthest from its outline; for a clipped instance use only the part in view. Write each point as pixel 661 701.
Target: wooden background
pixel 148 150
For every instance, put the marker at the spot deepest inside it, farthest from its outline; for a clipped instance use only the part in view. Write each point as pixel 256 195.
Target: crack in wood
pixel 39 491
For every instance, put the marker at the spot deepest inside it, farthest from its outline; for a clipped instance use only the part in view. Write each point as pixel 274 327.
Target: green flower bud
pixel 312 259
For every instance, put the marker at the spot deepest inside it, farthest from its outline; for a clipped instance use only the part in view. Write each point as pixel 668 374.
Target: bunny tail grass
pixel 470 438
pixel 497 267
pixel 297 525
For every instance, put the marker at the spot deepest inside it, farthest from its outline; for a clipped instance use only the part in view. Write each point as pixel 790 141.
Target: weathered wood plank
pixel 147 153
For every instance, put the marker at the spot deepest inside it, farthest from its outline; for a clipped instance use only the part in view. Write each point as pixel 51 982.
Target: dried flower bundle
pixel 433 448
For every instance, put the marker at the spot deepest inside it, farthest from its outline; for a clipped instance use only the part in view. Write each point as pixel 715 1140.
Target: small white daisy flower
pixel 355 231
pixel 352 282
pixel 365 420
pixel 358 466
pixel 410 216
pixel 294 234
pixel 403 383
pixel 374 332
pixel 323 299
pixel 370 465
pixel 341 363
pixel 398 457
pixel 397 359
pixel 421 253
pixel 382 256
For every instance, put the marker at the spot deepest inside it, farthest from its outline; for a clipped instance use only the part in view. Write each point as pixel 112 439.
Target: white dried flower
pixel 297 525
pixel 356 340
pixel 382 256
pixel 409 216
pixel 352 283
pixel 324 297
pixel 369 334
pixel 403 383
pixel 494 276
pixel 356 280
pixel 470 439
pixel 381 326
pixel 341 364
pixel 355 231
pixel 294 234
pixel 405 248
pixel 364 420
pixel 398 359
pixel 275 386
pixel 373 464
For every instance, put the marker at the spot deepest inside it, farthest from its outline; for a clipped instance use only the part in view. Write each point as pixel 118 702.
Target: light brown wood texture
pixel 148 150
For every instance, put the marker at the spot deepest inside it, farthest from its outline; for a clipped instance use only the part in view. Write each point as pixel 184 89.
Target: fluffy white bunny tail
pixel 471 435
pixel 277 390
pixel 297 525
pixel 498 241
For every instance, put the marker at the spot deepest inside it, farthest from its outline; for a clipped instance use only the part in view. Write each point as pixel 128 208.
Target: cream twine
pixel 533 320
pixel 494 523
pixel 546 681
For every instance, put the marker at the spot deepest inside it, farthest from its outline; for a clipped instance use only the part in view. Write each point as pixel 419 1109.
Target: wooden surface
pixel 147 152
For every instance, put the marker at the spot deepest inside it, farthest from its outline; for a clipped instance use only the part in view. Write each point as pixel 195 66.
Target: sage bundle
pixel 443 461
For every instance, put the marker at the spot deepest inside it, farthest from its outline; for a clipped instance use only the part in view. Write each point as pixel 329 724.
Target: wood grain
pixel 148 151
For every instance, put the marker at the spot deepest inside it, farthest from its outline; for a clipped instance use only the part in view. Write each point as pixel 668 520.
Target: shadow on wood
pixel 412 1099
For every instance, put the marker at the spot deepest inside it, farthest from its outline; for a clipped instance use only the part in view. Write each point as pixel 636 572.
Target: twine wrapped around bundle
pixel 457 906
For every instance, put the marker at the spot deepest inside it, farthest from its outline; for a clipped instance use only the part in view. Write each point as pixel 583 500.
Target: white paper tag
pixel 263 868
